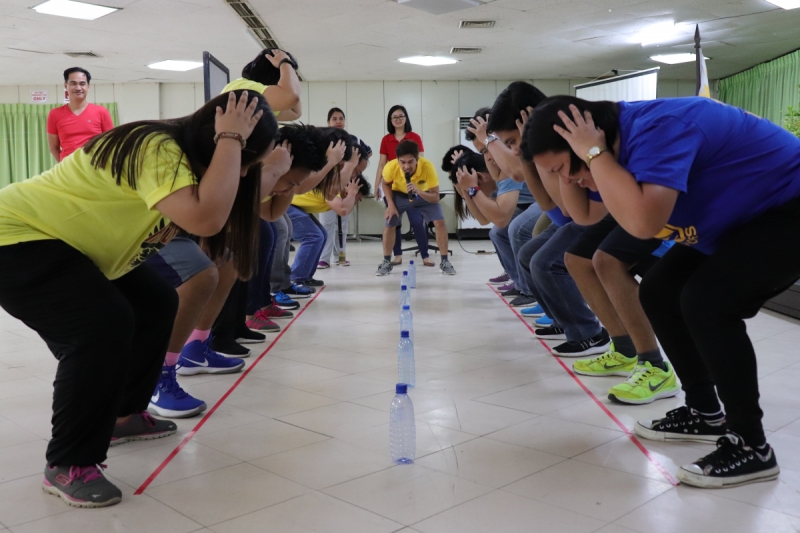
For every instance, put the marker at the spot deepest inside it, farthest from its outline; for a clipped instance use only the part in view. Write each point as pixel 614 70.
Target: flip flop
pixel 428 263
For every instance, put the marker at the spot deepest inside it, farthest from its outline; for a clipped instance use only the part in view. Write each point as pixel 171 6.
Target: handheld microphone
pixel 410 194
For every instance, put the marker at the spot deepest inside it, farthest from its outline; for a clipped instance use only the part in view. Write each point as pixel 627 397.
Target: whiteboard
pixel 641 85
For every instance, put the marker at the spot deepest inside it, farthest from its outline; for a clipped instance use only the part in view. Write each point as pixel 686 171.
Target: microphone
pixel 410 194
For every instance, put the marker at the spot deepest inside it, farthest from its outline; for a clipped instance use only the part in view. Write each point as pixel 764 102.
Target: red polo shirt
pixel 389 144
pixel 74 130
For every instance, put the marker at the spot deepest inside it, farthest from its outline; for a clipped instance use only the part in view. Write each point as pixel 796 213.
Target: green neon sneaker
pixel 610 363
pixel 646 384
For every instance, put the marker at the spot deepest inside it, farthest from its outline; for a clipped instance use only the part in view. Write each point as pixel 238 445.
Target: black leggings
pixel 109 337
pixel 697 305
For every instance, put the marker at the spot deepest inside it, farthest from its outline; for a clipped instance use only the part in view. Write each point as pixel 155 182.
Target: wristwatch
pixel 472 191
pixel 491 138
pixel 594 151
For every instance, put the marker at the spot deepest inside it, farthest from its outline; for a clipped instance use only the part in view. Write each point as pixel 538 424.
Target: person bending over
pixel 410 183
pixel 273 73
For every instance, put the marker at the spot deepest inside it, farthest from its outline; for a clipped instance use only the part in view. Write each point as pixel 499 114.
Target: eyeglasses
pixel 398 117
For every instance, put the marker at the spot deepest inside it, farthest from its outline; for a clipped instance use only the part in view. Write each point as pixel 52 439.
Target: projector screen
pixel 631 87
pixel 215 76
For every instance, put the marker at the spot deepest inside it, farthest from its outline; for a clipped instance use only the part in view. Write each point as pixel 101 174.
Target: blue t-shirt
pixel 508 185
pixel 557 217
pixel 729 165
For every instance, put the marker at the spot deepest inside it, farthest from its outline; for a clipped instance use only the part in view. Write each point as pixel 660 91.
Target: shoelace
pixel 639 375
pixel 604 357
pixel 86 473
pixel 260 317
pixel 148 419
pixel 728 455
pixel 679 417
pixel 172 387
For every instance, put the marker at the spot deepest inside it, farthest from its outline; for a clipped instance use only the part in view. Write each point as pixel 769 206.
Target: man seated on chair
pixel 410 182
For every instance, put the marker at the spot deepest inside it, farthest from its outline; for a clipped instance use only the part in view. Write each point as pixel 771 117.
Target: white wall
pixel 433 108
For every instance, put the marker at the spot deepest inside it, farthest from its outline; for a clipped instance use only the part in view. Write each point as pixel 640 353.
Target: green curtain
pixel 23 140
pixel 765 90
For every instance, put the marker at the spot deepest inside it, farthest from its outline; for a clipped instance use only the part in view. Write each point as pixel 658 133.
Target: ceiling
pixel 361 39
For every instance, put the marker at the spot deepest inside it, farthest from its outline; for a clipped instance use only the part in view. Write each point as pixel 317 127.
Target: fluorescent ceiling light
pixel 180 66
pixel 785 4
pixel 428 61
pixel 662 32
pixel 75 10
pixel 674 59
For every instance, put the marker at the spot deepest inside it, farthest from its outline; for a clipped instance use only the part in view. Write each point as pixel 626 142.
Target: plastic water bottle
pixel 405 280
pixel 407 321
pixel 405 296
pixel 402 429
pixel 412 275
pixel 406 373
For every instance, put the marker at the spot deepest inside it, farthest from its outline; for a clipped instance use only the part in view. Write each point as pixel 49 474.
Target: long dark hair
pixel 518 96
pixel 334 110
pixel 331 185
pixel 482 112
pixel 124 148
pixel 261 70
pixel 470 160
pixel 540 137
pixel 389 126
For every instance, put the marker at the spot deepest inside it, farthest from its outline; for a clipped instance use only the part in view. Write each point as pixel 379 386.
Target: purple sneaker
pixel 499 280
pixel 323 264
pixel 507 287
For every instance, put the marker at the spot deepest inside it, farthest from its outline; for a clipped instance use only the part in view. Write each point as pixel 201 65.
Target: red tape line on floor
pixel 211 411
pixel 600 404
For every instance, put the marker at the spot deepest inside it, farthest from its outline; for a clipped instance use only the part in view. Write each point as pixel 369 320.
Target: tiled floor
pixel 507 442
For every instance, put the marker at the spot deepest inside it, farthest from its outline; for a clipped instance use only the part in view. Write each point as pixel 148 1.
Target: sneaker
pixel 646 384
pixel 260 322
pixel 510 293
pixel 282 300
pixel 312 283
pixel 499 280
pixel 299 291
pixel 551 332
pixel 384 268
pixel 533 312
pixel 229 348
pixel 732 464
pixel 272 311
pixel 248 336
pixel 610 363
pixel 171 401
pixel 683 423
pixel 80 486
pixel 523 300
pixel 323 265
pixel 345 264
pixel 507 287
pixel 142 426
pixel 447 268
pixel 544 321
pixel 596 345
pixel 198 358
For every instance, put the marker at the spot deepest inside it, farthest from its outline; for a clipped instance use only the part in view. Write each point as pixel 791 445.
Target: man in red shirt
pixel 71 125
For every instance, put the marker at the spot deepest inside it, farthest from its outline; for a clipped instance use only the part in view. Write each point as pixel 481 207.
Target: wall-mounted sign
pixel 38 97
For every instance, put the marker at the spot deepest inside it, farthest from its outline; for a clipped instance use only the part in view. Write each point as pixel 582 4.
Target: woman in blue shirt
pixel 725 185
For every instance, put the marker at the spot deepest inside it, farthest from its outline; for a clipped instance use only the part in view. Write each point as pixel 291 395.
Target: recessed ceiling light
pixel 75 10
pixel 428 61
pixel 785 4
pixel 674 59
pixel 662 32
pixel 180 66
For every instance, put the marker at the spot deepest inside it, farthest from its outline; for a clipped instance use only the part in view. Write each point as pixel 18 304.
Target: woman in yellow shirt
pixel 72 244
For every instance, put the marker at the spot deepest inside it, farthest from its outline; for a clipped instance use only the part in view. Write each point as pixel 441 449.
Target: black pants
pixel 109 337
pixel 233 315
pixel 697 305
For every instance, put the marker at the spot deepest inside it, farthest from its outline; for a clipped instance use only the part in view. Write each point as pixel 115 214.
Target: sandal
pixel 398 260
pixel 428 262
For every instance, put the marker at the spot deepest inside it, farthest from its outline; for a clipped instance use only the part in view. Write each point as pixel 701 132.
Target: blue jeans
pixel 258 286
pixel 508 241
pixel 420 234
pixel 541 263
pixel 281 272
pixel 311 236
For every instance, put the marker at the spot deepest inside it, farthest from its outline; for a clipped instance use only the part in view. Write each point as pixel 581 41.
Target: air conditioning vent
pixel 254 22
pixel 82 54
pixel 477 24
pixel 466 50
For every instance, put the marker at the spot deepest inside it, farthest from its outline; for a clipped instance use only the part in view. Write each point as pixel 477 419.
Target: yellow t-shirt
pixel 424 177
pixel 311 202
pixel 114 225
pixel 243 83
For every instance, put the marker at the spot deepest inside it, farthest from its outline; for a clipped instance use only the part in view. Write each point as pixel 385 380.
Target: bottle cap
pixel 404 334
pixel 403 288
pixel 406 308
pixel 401 388
pixel 411 262
pixel 405 272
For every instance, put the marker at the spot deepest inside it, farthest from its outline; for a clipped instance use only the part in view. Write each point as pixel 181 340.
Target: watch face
pixel 594 150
